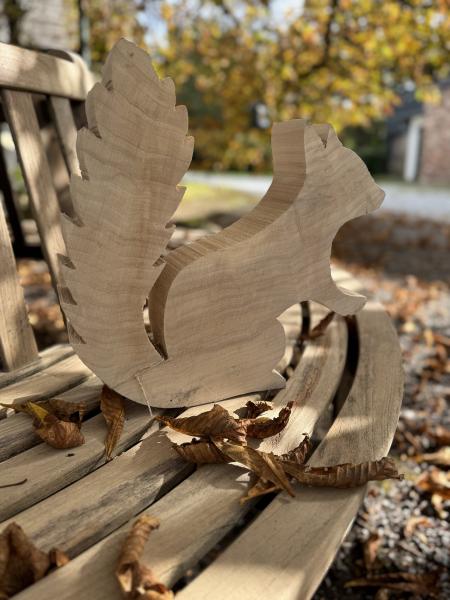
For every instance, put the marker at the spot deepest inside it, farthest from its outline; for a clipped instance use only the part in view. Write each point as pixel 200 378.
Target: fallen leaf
pixel 298 454
pixel 264 464
pixel 422 583
pixel 54 432
pixel 264 427
pixel 441 457
pixel 440 436
pixel 200 452
pixel 113 411
pixel 21 563
pixel 215 424
pixel 260 488
pixel 435 481
pixel 370 550
pixel 413 522
pixel 320 328
pixel 254 409
pixel 343 476
pixel 137 581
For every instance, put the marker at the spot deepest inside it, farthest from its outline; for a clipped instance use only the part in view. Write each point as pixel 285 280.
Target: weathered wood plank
pixel 17 432
pixel 67 131
pixel 22 120
pixel 317 519
pixel 17 343
pixel 38 72
pixel 45 359
pixel 195 514
pixel 47 470
pixel 55 379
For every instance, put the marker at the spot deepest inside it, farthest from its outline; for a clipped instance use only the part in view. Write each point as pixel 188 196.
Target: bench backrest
pixel 62 81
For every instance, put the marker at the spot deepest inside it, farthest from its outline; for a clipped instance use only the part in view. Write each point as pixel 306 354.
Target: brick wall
pixel 435 156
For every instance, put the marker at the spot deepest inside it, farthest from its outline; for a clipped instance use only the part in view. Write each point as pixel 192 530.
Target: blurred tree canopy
pixel 339 61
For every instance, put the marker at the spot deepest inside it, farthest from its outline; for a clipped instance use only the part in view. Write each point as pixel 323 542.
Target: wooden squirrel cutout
pixel 213 304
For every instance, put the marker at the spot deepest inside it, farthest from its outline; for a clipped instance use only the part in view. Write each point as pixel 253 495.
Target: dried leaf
pixel 422 583
pixel 413 522
pixel 370 550
pixel 254 409
pixel 200 452
pixel 440 436
pixel 343 476
pixel 137 581
pixel 435 481
pixel 21 563
pixel 113 411
pixel 320 328
pixel 54 432
pixel 298 454
pixel 264 464
pixel 441 457
pixel 263 427
pixel 260 488
pixel 216 424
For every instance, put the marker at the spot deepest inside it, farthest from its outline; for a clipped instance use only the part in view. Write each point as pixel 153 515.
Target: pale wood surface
pixel 17 343
pixel 38 72
pixel 25 130
pixel 215 306
pixel 17 432
pixel 44 359
pixel 65 126
pixel 58 468
pixel 53 380
pixel 299 538
pixel 197 513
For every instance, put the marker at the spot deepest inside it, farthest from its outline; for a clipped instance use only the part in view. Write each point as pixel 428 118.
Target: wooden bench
pixel 347 387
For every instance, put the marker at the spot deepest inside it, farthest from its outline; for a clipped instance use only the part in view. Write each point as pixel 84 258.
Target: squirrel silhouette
pixel 213 304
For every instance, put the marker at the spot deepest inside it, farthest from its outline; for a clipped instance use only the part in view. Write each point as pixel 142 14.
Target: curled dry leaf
pixel 260 488
pixel 343 476
pixel 413 522
pixel 264 464
pixel 113 411
pixel 254 409
pixel 53 431
pixel 298 454
pixel 320 328
pixel 441 457
pixel 435 481
pixel 264 427
pixel 137 581
pixel 370 550
pixel 200 452
pixel 415 583
pixel 215 424
pixel 21 563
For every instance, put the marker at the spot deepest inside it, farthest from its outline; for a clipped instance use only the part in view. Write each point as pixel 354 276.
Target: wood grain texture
pixel 67 131
pixel 32 71
pixel 17 432
pixel 194 515
pixel 215 304
pixel 22 120
pixel 300 538
pixel 17 343
pixel 58 468
pixel 55 379
pixel 44 359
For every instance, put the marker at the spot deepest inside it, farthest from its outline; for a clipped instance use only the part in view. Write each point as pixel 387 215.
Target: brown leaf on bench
pixel 264 464
pixel 320 328
pixel 200 452
pixel 415 583
pixel 254 409
pixel 21 563
pixel 113 411
pixel 53 431
pixel 216 424
pixel 262 486
pixel 264 427
pixel 137 581
pixel 346 475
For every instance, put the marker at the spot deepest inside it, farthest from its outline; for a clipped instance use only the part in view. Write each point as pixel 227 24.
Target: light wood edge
pixel 67 132
pixel 45 359
pixel 38 72
pixel 198 511
pixel 317 519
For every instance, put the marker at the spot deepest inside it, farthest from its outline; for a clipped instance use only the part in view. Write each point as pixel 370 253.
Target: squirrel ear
pixel 327 134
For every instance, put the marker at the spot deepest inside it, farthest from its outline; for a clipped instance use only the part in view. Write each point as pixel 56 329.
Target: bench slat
pixel 304 533
pixel 24 126
pixel 45 359
pixel 17 343
pixel 38 72
pixel 67 131
pixel 194 515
